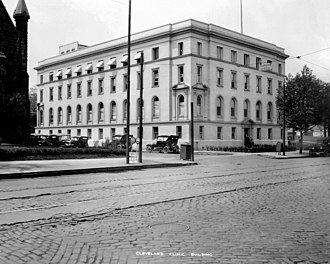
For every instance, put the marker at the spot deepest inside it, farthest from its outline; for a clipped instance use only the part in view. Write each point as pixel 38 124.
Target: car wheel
pixel 149 149
pixel 166 149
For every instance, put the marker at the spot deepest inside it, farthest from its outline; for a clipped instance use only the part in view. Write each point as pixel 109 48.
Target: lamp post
pixel 128 81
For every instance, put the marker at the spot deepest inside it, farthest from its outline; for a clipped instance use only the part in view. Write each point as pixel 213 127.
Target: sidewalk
pixel 38 168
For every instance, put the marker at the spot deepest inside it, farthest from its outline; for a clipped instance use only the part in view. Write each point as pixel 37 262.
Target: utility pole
pixel 128 82
pixel 284 119
pixel 241 18
pixel 141 100
pixel 192 130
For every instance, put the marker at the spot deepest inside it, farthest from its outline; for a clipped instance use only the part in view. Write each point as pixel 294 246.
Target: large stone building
pixel 14 79
pixel 231 78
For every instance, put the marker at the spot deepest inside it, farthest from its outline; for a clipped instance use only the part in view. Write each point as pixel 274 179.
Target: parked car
pixel 119 141
pixel 77 142
pixel 53 141
pixel 322 148
pixel 164 143
pixel 38 140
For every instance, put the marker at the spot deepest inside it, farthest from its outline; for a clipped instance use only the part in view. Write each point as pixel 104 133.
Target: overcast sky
pixel 299 26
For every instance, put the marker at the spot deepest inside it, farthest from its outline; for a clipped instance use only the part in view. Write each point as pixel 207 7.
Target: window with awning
pixel 78 69
pixel 68 72
pixel 112 63
pixel 100 64
pixel 59 74
pixel 89 67
pixel 124 59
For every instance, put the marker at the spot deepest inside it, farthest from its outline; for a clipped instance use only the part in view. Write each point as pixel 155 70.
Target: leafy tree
pixel 302 101
pixel 325 109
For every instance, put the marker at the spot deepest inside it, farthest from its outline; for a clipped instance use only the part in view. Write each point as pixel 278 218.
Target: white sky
pixel 299 26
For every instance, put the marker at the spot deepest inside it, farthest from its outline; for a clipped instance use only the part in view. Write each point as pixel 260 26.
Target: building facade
pixel 232 80
pixel 14 79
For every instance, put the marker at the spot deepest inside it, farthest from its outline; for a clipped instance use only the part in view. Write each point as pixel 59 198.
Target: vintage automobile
pixel 321 149
pixel 38 140
pixel 77 142
pixel 119 141
pixel 164 143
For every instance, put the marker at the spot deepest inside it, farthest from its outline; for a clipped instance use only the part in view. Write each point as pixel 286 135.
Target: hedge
pixel 19 153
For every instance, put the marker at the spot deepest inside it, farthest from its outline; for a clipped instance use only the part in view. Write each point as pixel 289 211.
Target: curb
pixel 90 170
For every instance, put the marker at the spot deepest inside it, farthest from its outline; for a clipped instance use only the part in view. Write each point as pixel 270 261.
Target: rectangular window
pixel 59 93
pixel 233 80
pixel 113 84
pixel 180 48
pixel 155 53
pixel 270 133
pixel 68 131
pixel 51 76
pixel 78 132
pixel 220 77
pixel 125 83
pixel 89 133
pixel 180 74
pixel 233 56
pixel 41 96
pixel 179 131
pixel 155 77
pixel 101 86
pixel 219 53
pixel 89 88
pixel 100 133
pixel 41 79
pixel 219 132
pixel 154 132
pixel 279 68
pixel 258 133
pixel 51 94
pixel 78 89
pixel 50 132
pixel 246 82
pixel 112 132
pixel 201 132
pixel 258 63
pixel 258 84
pixel 233 133
pixel 59 131
pixel 199 48
pixel 269 86
pixel 246 60
pixel 199 73
pixel 138 80
pixel 69 91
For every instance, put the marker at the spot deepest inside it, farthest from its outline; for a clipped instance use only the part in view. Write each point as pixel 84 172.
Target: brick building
pixel 231 78
pixel 14 79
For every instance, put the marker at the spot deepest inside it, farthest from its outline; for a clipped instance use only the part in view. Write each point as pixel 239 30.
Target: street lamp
pixel 284 119
pixel 128 81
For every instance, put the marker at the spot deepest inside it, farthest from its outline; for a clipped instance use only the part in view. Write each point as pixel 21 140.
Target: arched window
pixel 51 116
pixel 246 108
pixel 258 110
pixel 113 111
pixel 68 115
pixel 233 106
pixel 59 115
pixel 79 114
pixel 101 112
pixel 199 105
pixel 219 106
pixel 138 109
pixel 181 105
pixel 155 107
pixel 125 109
pixel 269 111
pixel 89 113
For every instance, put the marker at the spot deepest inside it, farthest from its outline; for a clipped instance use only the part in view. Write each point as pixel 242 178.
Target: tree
pixel 303 98
pixel 325 109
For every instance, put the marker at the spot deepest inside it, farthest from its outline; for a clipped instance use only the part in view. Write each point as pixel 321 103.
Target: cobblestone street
pixel 227 209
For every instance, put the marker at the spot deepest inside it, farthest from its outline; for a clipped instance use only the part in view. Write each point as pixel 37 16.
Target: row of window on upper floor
pixel 155 83
pixel 112 63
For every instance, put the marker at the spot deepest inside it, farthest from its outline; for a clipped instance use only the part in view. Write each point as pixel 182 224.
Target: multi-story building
pixel 232 80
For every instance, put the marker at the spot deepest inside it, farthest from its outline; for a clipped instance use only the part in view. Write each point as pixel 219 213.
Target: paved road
pixel 229 209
